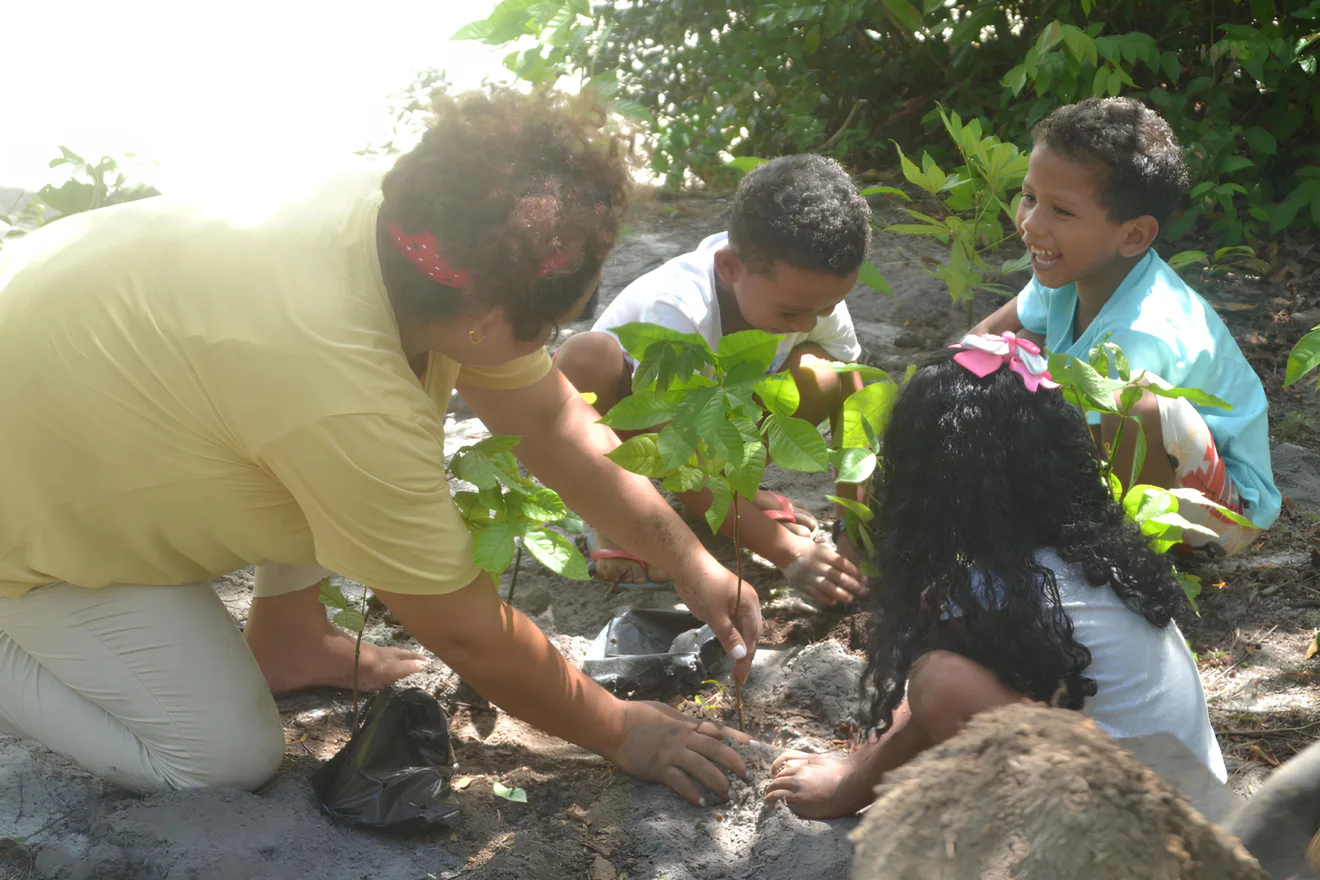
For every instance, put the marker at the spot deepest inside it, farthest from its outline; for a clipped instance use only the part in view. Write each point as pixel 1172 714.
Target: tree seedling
pixel 722 416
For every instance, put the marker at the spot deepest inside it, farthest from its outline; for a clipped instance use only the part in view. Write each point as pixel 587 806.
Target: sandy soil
pixel 584 819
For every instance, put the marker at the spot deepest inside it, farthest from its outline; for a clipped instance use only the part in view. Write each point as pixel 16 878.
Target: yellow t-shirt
pixel 186 389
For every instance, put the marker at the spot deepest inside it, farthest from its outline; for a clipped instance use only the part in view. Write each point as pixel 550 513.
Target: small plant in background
pixel 976 198
pixel 722 415
pixel 91 185
pixel 1088 385
pixel 1304 358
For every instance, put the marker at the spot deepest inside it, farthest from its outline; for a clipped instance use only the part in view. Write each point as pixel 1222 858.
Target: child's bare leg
pixel 594 362
pixel 944 691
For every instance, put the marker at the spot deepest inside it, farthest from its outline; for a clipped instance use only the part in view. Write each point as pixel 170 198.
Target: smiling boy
pixel 1104 176
pixel 798 233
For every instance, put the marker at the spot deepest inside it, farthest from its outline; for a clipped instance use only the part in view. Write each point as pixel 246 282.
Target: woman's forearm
pixel 511 663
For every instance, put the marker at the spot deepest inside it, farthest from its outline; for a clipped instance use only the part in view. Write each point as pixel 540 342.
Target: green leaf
pixel 477 30
pixel 866 371
pixel 853 465
pixel 905 14
pixel 556 553
pixel 726 442
pixel 1232 163
pixel 640 455
pixel 745 477
pixel 853 506
pixel 1095 390
pixel 719 507
pixel 540 505
pixel 675 446
pixel 1304 358
pixel 1199 498
pixel 748 346
pixel 637 337
pixel 871 277
pixel 473 466
pixel 1139 455
pixel 1191 585
pixel 517 795
pixel 779 393
pixel 797 445
pixel 1184 259
pixel 812 41
pixel 493 546
pixel 885 191
pixel 350 619
pixel 685 479
pixel 1195 395
pixel 331 596
pixel 1143 502
pixel 1261 141
pixel 637 411
pixel 745 163
pixel 866 414
pixel 633 111
pixel 1021 264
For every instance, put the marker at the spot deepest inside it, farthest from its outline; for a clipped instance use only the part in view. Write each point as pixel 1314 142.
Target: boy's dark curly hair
pixel 1140 159
pixel 803 210
pixel 504 180
pixel 978 474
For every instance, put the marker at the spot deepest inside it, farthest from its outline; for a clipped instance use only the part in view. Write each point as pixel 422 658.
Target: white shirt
pixel 680 295
pixel 1146 679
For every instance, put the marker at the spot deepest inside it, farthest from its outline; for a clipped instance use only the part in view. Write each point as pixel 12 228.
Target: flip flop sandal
pixel 596 555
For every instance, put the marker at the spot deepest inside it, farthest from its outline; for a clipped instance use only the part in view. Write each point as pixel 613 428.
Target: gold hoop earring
pixel 474 338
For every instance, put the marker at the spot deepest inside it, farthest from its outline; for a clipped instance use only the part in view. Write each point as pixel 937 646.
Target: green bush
pixel 851 77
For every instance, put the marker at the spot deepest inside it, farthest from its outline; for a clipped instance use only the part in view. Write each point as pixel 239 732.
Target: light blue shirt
pixel 1164 326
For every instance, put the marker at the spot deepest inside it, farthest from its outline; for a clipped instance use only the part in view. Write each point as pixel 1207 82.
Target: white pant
pixel 150 688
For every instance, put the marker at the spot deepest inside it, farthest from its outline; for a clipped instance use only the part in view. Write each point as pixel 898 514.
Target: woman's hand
pixel 823 574
pixel 662 745
pixel 712 596
pixel 814 786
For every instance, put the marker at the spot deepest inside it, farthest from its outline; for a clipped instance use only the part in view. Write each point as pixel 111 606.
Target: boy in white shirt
pixel 798 233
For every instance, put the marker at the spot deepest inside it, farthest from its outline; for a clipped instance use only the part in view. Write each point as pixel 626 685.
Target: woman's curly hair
pixel 979 474
pixel 503 181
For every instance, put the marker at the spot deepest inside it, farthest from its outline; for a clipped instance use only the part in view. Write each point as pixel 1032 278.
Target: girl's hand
pixel 824 575
pixel 662 745
pixel 714 600
pixel 813 786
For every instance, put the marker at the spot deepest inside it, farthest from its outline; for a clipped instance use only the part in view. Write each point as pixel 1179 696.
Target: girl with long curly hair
pixel 191 388
pixel 1008 572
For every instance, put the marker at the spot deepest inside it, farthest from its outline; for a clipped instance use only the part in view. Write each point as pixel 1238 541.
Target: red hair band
pixel 422 251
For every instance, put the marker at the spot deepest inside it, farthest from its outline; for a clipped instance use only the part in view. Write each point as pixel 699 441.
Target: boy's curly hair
pixel 1141 160
pixel 803 210
pixel 504 180
pixel 978 475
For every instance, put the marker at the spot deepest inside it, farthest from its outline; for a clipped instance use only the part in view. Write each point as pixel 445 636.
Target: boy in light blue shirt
pixel 1104 176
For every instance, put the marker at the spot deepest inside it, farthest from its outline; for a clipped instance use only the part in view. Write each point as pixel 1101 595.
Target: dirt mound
pixel 1038 794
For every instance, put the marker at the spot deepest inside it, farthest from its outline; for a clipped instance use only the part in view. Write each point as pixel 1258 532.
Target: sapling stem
pixel 737 554
pixel 357 656
pixel 513 579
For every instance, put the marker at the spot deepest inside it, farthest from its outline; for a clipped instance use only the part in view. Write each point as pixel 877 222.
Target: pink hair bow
pixel 986 353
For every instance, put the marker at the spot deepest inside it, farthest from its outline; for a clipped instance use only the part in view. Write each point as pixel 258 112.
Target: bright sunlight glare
pixel 209 94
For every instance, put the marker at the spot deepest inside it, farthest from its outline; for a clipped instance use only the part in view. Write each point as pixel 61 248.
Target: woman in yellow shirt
pixel 186 389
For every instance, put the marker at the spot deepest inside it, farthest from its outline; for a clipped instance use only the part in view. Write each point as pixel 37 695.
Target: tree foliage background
pixel 854 78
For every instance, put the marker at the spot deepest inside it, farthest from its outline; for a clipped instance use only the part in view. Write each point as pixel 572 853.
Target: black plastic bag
pixel 393 775
pixel 653 654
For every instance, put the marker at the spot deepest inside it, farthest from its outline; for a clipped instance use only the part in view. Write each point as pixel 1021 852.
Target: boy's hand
pixel 824 575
